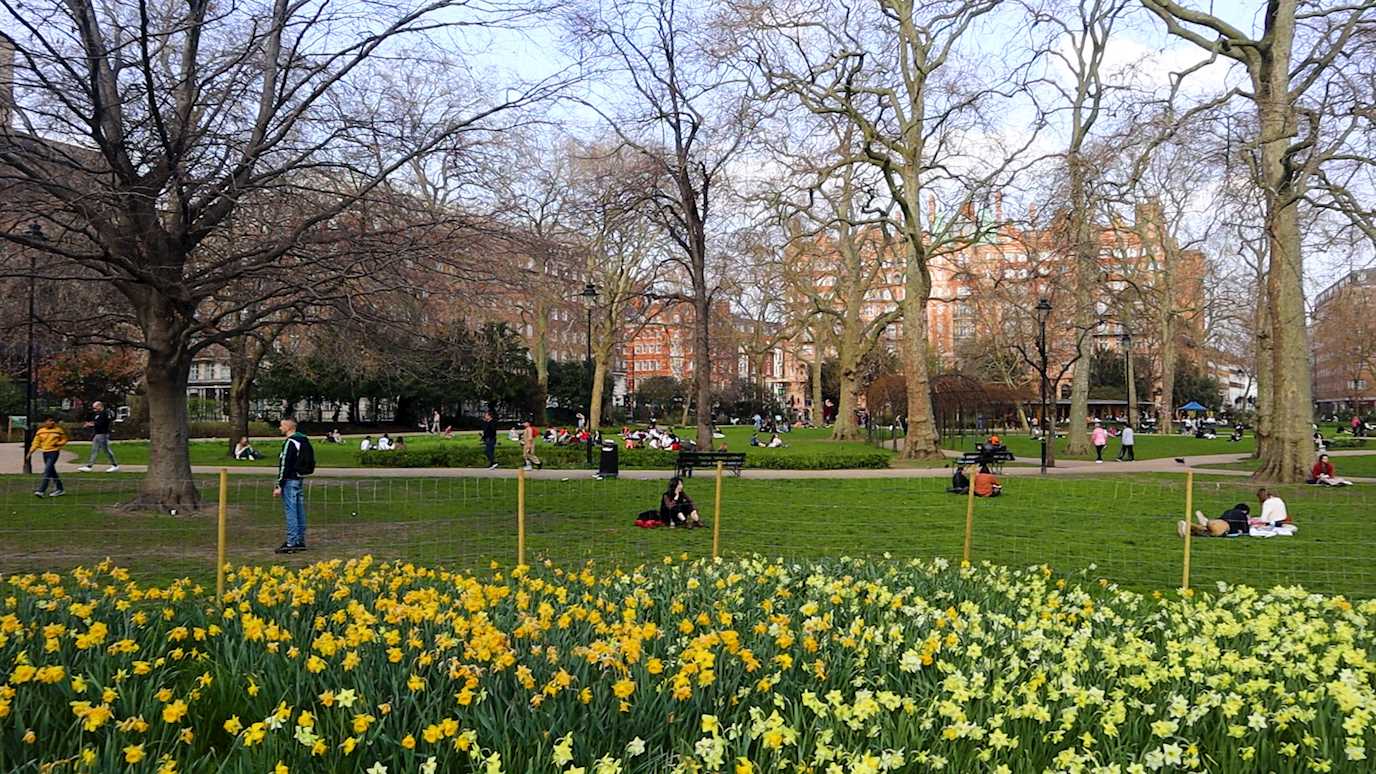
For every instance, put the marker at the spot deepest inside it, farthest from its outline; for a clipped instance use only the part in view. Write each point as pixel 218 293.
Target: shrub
pixel 1345 443
pixel 574 457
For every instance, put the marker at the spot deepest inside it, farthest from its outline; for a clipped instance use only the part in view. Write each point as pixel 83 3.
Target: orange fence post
pixel 520 517
pixel 716 516
pixel 220 537
pixel 1189 520
pixel 969 523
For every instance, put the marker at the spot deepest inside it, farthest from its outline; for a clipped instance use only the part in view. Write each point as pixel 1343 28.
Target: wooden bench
pixel 732 461
pixel 985 456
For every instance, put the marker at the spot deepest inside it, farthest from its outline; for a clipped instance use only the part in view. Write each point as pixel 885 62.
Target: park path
pixel 11 462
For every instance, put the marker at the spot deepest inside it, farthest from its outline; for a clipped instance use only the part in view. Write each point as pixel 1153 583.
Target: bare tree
pixel 683 110
pixel 892 70
pixel 146 127
pixel 1290 67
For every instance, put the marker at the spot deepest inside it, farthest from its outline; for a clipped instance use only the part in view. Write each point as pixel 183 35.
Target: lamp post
pixel 35 234
pixel 589 296
pixel 1132 383
pixel 1043 312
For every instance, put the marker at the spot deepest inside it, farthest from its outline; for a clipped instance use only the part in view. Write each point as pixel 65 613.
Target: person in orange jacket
pixel 49 438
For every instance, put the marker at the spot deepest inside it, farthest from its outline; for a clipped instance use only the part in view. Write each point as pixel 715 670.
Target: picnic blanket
pixel 1280 530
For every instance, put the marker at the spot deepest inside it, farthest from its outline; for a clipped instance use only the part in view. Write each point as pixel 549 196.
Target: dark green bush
pixel 1345 443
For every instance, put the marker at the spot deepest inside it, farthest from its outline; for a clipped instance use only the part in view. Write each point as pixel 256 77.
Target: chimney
pixel 6 83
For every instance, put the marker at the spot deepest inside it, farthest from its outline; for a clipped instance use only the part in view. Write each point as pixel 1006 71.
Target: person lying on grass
pixel 1323 473
pixel 1232 523
pixel 676 508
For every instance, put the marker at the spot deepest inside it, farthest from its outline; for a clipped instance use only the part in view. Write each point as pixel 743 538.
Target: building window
pixel 1356 384
pixel 963 322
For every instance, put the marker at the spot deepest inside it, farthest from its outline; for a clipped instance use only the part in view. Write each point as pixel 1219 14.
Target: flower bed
pixel 734 666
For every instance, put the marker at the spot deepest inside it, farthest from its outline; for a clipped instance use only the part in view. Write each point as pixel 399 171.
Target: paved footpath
pixel 11 462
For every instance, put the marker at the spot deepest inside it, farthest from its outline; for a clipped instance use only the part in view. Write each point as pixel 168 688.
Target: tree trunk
pixel 599 378
pixel 1168 359
pixel 539 352
pixel 1289 445
pixel 243 370
pixel 168 483
pixel 921 440
pixel 1086 275
pixel 818 400
pixel 1131 380
pixel 845 429
pixel 702 360
pixel 1262 366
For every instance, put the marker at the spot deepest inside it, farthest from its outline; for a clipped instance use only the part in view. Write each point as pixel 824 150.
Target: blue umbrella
pixel 1192 406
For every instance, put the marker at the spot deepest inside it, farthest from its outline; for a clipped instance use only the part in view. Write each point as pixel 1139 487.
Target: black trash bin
pixel 608 462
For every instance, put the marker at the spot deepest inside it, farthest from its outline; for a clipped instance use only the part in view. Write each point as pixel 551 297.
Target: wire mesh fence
pixel 1122 529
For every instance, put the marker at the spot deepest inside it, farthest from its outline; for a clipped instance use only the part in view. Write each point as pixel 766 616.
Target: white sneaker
pixel 1199 517
pixel 1098 462
pixel 84 469
pixel 529 468
pixel 493 466
pixel 1181 528
pixel 112 469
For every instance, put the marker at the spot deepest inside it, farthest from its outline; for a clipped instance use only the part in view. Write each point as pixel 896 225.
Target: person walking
pixel 296 460
pixel 528 436
pixel 1126 452
pixel 489 437
pixel 49 438
pixel 100 438
pixel 1100 439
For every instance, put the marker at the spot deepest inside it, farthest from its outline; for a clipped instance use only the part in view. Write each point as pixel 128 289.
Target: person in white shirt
pixel 1125 450
pixel 776 442
pixel 366 444
pixel 384 443
pixel 1273 510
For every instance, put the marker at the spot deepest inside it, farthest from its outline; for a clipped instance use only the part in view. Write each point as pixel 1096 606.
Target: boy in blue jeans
pixel 296 460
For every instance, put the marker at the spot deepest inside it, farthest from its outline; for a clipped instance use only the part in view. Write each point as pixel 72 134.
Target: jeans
pixel 1127 453
pixel 294 508
pixel 490 449
pixel 101 443
pixel 50 472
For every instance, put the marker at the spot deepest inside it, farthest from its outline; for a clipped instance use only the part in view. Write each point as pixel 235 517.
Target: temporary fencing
pixel 1119 529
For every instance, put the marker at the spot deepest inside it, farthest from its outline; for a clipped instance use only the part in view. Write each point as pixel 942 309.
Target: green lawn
pixel 799 443
pixel 1355 465
pixel 1121 528
pixel 1147 447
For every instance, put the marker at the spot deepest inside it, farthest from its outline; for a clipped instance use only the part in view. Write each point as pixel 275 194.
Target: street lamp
pixel 589 296
pixel 1132 383
pixel 36 235
pixel 1043 312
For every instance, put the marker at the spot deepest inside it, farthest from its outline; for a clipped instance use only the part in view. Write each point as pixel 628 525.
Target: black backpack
pixel 305 457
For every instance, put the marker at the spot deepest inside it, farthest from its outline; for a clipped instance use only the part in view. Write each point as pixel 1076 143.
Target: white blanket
pixel 1281 530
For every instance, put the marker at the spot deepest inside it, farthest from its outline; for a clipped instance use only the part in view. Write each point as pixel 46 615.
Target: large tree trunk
pixel 167 483
pixel 1168 363
pixel 1288 448
pixel 702 360
pixel 1262 366
pixel 848 360
pixel 599 378
pixel 1086 279
pixel 921 440
pixel 818 400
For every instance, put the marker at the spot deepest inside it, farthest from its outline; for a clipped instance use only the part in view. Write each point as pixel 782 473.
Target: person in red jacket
pixel 1323 473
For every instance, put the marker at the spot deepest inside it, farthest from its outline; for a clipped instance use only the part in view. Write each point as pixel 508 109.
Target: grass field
pixel 800 443
pixel 1123 527
pixel 1361 465
pixel 1147 447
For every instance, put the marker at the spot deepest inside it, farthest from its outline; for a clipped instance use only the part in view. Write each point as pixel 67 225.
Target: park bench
pixel 732 461
pixel 994 457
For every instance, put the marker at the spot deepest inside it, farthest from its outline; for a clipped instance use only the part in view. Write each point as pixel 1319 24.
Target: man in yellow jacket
pixel 49 438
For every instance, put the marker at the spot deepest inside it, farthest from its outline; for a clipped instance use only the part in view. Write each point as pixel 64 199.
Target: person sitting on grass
pixel 986 483
pixel 755 439
pixel 1232 523
pixel 1273 511
pixel 334 437
pixel 366 444
pixel 1323 473
pixel 243 450
pixel 960 482
pixel 775 442
pixel 384 443
pixel 400 445
pixel 676 508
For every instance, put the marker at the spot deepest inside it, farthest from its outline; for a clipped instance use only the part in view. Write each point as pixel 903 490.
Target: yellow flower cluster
pixel 743 666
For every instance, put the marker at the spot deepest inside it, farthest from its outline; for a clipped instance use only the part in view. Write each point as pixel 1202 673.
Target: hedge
pixel 574 457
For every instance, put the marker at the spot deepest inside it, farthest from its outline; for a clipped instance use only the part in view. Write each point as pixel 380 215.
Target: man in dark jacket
pixel 289 486
pixel 489 435
pixel 100 438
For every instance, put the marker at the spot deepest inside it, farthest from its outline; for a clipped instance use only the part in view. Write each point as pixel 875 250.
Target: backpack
pixel 305 457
